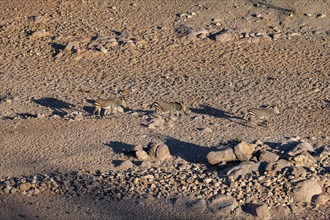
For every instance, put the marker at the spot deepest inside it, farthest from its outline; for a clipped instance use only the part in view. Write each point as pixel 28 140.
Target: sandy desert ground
pixel 220 57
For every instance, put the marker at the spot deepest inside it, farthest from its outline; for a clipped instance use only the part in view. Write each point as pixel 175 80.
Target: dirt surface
pixel 47 89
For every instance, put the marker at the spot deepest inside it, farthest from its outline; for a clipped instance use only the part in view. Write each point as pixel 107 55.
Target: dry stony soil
pixel 58 56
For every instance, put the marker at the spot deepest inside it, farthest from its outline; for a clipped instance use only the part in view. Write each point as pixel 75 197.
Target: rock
pixel 244 150
pixel 304 159
pixel 224 37
pixel 24 186
pixel 321 199
pixel 199 205
pixel 159 151
pixel 13 191
pixel 274 167
pixel 40 34
pixel 305 190
pixel 103 50
pixel 259 142
pixel 261 211
pixel 184 30
pixel 73 47
pixel 242 169
pixel 222 204
pixel 125 34
pixel 145 165
pixel 282 211
pixel 141 155
pixel 221 156
pixel 6 190
pixel 321 15
pixel 157 122
pixel 298 172
pixel 304 146
pixel 138 147
pixel 268 156
pixel 125 165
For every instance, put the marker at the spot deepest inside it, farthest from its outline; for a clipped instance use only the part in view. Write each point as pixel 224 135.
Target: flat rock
pixel 274 167
pixel 244 150
pixel 224 37
pixel 125 165
pixel 305 190
pixel 40 34
pixel 268 156
pixel 222 204
pixel 221 156
pixel 198 204
pixel 242 169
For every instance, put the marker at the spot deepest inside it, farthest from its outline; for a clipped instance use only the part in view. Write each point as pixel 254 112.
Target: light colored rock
pixel 299 171
pixel 125 165
pixel 222 204
pixel 244 150
pixel 159 151
pixel 242 169
pixel 304 159
pixel 138 147
pixel 321 15
pixel 268 156
pixel 141 155
pixel 305 190
pixel 40 34
pixel 225 37
pixel 24 186
pixel 221 156
pixel 103 50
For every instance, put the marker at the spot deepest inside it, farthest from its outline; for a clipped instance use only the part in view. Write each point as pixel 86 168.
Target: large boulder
pixel 268 156
pixel 305 190
pixel 301 147
pixel 159 151
pixel 221 156
pixel 244 150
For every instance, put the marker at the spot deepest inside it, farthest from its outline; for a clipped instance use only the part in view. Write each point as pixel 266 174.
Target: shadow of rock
pixel 56 105
pixel 188 151
pixel 120 147
pixel 57 48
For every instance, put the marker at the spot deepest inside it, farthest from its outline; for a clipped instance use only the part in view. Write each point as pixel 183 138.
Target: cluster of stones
pixel 188 34
pixel 101 44
pixel 278 185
